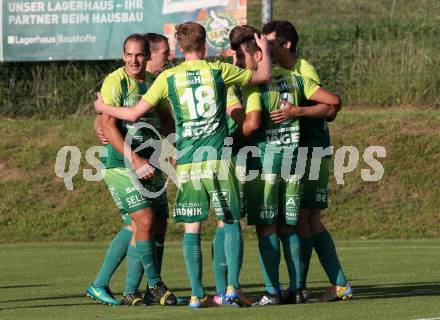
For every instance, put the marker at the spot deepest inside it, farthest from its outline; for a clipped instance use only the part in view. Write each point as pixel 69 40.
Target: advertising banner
pixel 50 30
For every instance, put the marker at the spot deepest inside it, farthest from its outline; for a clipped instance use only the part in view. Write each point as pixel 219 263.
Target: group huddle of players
pixel 239 131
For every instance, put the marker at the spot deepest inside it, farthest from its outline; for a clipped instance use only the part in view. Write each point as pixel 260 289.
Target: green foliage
pixel 36 205
pixel 375 53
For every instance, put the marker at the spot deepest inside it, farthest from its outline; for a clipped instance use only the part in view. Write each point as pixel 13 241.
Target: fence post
pixel 266 11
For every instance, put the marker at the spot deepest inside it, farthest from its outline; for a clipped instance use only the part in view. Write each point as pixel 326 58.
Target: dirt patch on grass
pixel 9 174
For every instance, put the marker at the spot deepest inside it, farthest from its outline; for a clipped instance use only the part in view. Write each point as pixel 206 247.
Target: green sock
pixel 160 240
pixel 292 256
pixel 306 250
pixel 219 261
pixel 147 252
pixel 326 250
pixel 135 271
pixel 269 247
pixel 233 251
pixel 192 254
pixel 115 254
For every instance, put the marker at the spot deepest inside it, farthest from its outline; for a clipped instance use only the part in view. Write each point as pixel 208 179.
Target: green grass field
pixel 36 206
pixel 392 279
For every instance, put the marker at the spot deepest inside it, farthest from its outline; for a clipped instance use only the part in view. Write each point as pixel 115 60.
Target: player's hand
pixel 99 132
pixel 262 42
pixel 98 104
pixel 142 168
pixel 286 112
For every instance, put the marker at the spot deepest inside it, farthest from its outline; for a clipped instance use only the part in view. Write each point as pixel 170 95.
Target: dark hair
pixel 241 34
pixel 284 32
pixel 139 38
pixel 155 37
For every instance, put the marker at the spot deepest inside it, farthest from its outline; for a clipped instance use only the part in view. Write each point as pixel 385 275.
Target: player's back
pixel 197 93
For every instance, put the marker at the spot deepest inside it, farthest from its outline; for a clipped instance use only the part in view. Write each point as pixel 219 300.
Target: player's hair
pixel 284 32
pixel 154 39
pixel 190 36
pixel 139 38
pixel 241 34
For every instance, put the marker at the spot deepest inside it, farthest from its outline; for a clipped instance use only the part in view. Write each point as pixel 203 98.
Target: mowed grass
pixel 392 279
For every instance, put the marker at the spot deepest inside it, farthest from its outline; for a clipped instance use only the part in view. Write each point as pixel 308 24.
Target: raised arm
pixel 264 72
pixel 123 113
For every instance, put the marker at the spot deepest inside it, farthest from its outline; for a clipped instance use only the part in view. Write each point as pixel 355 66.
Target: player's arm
pixel 98 130
pixel 328 104
pixel 139 164
pixel 264 72
pixel 157 92
pixel 123 113
pixel 251 123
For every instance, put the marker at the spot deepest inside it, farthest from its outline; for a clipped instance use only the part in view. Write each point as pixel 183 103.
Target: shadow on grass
pixel 25 286
pixel 69 296
pixel 48 306
pixel 392 290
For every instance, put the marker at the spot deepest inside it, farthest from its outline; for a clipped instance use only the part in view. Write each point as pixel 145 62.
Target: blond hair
pixel 190 36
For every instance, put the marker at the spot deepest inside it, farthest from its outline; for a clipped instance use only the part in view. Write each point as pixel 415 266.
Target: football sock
pixel 306 250
pixel 292 256
pixel 135 271
pixel 269 247
pixel 193 260
pixel 219 261
pixel 147 253
pixel 233 251
pixel 326 250
pixel 160 240
pixel 115 254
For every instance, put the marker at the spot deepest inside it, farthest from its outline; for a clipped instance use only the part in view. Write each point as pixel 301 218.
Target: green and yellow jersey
pixel 197 92
pixel 278 137
pixel 119 90
pixel 314 132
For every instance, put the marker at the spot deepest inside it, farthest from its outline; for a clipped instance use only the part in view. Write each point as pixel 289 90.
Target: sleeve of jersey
pixel 157 92
pixel 310 87
pixel 232 97
pixel 309 71
pixel 111 91
pixel 252 97
pixel 235 75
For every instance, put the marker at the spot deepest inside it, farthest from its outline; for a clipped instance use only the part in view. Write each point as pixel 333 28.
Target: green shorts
pixel 127 196
pixel 314 192
pixel 204 183
pixel 272 200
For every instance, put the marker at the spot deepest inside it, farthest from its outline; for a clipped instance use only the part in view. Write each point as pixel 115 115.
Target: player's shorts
pixel 314 192
pixel 127 196
pixel 204 183
pixel 270 199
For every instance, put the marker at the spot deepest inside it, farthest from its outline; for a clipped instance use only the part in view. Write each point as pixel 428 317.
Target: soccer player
pixel 235 118
pixel 276 214
pixel 196 90
pixel 314 133
pixel 124 87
